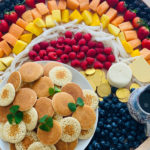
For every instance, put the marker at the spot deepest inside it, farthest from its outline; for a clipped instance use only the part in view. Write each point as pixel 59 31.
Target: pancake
pixel 86 116
pixel 70 129
pixel 15 80
pixel 31 71
pixel 61 145
pixel 51 137
pixel 1 131
pixel 41 87
pixel 25 98
pixel 50 66
pixel 73 89
pixel 60 103
pixel 44 107
pixel 38 146
pixel 72 145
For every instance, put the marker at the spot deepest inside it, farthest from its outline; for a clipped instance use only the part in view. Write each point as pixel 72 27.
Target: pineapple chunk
pixel 113 30
pixel 135 53
pixel 2 66
pixel 49 21
pixel 76 15
pixel 39 22
pixel 87 17
pixel 7 60
pixel 56 15
pixel 65 16
pixel 95 20
pixel 19 47
pixel 105 21
pixel 31 27
pixel 121 36
pixel 127 46
pixel 26 37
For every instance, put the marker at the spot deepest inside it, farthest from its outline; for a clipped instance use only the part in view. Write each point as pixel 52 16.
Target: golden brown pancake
pixel 73 89
pixel 43 107
pixel 15 80
pixel 25 98
pixel 86 116
pixel 26 85
pixel 31 71
pixel 62 145
pixel 41 87
pixel 60 103
pixel 49 66
pixel 12 146
pixel 72 145
pixel 51 137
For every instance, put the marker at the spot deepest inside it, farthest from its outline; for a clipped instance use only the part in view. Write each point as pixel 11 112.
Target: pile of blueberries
pixel 116 129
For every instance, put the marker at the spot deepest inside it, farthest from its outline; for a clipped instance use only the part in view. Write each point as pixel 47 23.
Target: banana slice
pixel 119 75
pixel 7 94
pixel 60 75
pixel 30 119
pixel 38 146
pixel 14 133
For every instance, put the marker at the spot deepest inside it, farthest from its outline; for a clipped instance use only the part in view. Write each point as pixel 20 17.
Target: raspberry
pixel 108 50
pixel 81 55
pixel 46 58
pixel 99 45
pixel 72 55
pixel 111 58
pixel 60 46
pixel 75 48
pixel 75 63
pixel 44 44
pixel 98 65
pixel 37 58
pixel 53 43
pixel 32 54
pixel 42 53
pixel 91 44
pixel 67 49
pixel 64 58
pixel 90 60
pixel 60 40
pixel 52 56
pixel 84 49
pixel 82 42
pixel 68 34
pixel 59 52
pixel 78 36
pixel 36 47
pixel 84 65
pixel 50 49
pixel 91 53
pixel 87 36
pixel 73 42
pixel 101 57
pixel 99 50
pixel 68 41
pixel 107 65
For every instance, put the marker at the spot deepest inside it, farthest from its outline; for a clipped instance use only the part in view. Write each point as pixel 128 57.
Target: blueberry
pixel 127 124
pixel 114 125
pixel 108 127
pixel 113 90
pixel 97 130
pixel 101 112
pixel 126 145
pixel 100 123
pixel 113 130
pixel 118 134
pixel 119 146
pixel 101 103
pixel 90 147
pixel 124 132
pixel 119 121
pixel 122 139
pixel 113 106
pixel 109 120
pixel 102 133
pixel 130 138
pixel 133 133
pixel 106 132
pixel 115 99
pixel 102 143
pixel 109 114
pixel 96 145
pixel 107 144
pixel 106 106
pixel 115 140
pixel 122 111
pixel 112 148
pixel 115 118
pixel 2 5
pixel 111 135
pixel 124 118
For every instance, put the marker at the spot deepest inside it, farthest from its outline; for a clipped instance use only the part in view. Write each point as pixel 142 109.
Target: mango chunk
pixel 2 66
pixel 127 46
pixel 87 17
pixel 49 21
pixel 26 37
pixel 65 16
pixel 105 21
pixel 56 15
pixel 113 30
pixel 39 22
pixel 95 20
pixel 7 60
pixel 76 15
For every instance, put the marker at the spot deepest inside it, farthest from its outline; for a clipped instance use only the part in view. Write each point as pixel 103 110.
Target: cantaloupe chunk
pixel 118 20
pixel 1 53
pixel 94 4
pixel 7 60
pixel 76 15
pixel 72 4
pixel 27 16
pixel 27 37
pixel 49 21
pixel 102 8
pixel 87 17
pixel 111 13
pixel 35 13
pixel 15 30
pixel 145 53
pixel 130 35
pixel 113 30
pixel 20 22
pixel 84 5
pixel 2 66
pixel 52 5
pixel 95 20
pixel 62 4
pixel 5 47
pixel 10 39
pixel 125 26
pixel 65 16
pixel 42 8
pixel 135 43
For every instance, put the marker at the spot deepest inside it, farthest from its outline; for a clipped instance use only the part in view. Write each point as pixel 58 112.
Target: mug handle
pixel 148 128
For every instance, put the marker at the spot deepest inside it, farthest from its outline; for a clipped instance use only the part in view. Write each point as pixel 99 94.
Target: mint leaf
pixel 49 122
pixel 18 117
pixel 43 119
pixel 44 127
pixel 51 91
pixel 56 89
pixel 10 118
pixel 14 109
pixel 72 107
pixel 80 101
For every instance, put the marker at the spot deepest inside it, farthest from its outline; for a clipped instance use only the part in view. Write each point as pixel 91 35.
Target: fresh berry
pixel 32 54
pixel 129 15
pixel 146 43
pixel 59 52
pixel 68 41
pixel 60 46
pixel 99 45
pixel 46 58
pixel 11 17
pixel 75 63
pixel 1 36
pixel 42 53
pixel 91 44
pixel 121 7
pixel 81 55
pixel 60 40
pixel 64 58
pixel 3 26
pixel 87 36
pixel 107 65
pixel 20 9
pixel 67 49
pixel 90 60
pixel 40 1
pixel 108 50
pixel 44 44
pixel 59 61
pixel 36 47
pixel 82 42
pixel 30 3
pixel 84 49
pixel 91 53
pixel 143 33
pixel 50 49
pixel 84 65
pixel 52 56
pixel 68 34
pixel 112 3
pixel 53 43
pixel 76 48
pixel 136 22
pixel 98 65
pixel 73 42
pixel 78 36
pixel 99 50
pixel 111 58
pixel 37 58
pixel 72 55
pixel 101 57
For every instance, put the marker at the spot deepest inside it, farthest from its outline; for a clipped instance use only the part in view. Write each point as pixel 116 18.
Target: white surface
pixel 84 84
